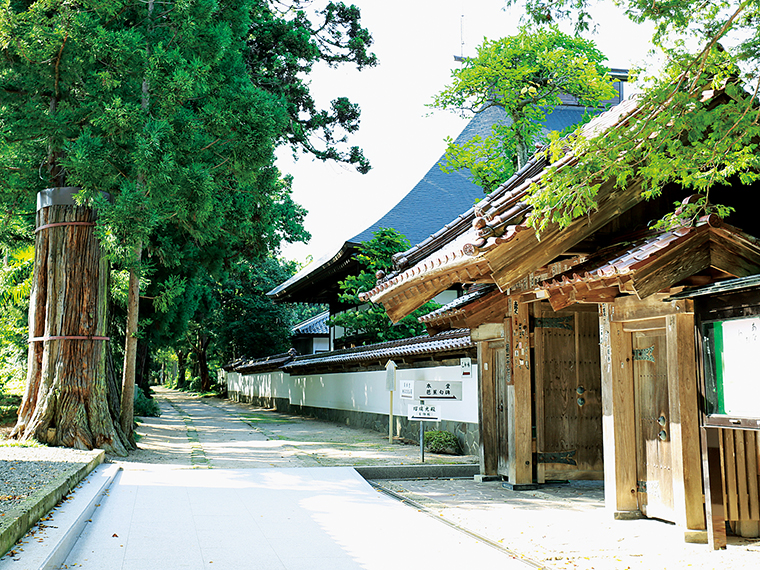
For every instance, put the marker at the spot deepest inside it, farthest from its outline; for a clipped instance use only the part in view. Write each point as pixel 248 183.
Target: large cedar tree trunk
pixel 66 397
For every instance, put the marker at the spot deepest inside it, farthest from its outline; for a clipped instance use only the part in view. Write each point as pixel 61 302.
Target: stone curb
pixel 17 522
pixel 451 471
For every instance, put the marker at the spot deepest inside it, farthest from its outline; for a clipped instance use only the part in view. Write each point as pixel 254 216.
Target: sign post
pixel 423 413
pixel 390 384
pixel 422 440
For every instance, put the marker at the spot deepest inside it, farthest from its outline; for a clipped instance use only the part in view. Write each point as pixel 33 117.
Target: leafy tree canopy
pixel 284 50
pixel 368 323
pixel 697 124
pixel 525 75
pixel 175 110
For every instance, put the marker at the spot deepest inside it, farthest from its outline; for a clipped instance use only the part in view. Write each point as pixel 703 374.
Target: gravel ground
pixel 25 470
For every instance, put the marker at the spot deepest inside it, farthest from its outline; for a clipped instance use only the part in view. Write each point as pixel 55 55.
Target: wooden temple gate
pixel 541 405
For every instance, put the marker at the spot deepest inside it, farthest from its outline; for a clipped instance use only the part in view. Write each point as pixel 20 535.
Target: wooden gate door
pixel 653 450
pixel 568 394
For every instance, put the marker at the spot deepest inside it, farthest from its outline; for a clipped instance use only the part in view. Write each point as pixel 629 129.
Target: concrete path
pixel 297 519
pixel 194 432
pixel 218 485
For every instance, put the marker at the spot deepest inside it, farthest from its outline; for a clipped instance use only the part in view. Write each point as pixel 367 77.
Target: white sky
pixel 415 41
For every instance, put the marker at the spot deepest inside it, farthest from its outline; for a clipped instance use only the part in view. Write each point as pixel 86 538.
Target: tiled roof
pixel 457 306
pixel 449 341
pixel 429 206
pixel 268 363
pixel 315 325
pixel 655 261
pixel 497 219
pixel 626 259
pixel 440 196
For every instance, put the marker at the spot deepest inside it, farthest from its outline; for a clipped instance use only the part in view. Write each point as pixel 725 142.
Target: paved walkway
pixel 217 484
pixel 221 485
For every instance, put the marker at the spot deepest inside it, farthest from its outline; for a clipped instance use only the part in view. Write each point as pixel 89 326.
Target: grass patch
pixel 26 443
pixel 265 419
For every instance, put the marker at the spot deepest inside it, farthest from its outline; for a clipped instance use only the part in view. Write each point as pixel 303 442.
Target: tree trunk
pixel 142 367
pixel 181 369
pixel 130 352
pixel 203 363
pixel 66 397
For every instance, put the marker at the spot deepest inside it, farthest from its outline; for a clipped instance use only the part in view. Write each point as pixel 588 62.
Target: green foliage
pixel 694 127
pixel 283 51
pixel 146 407
pixel 176 111
pixel 525 75
pixel 245 322
pixel 442 442
pixel 15 284
pixel 368 323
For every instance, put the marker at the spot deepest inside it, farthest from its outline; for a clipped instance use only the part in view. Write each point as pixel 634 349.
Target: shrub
pixel 144 406
pixel 194 385
pixel 441 442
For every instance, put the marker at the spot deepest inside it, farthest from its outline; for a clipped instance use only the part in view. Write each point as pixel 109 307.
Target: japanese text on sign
pixel 437 390
pixel 424 412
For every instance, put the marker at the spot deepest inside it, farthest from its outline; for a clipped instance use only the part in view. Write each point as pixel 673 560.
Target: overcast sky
pixel 415 41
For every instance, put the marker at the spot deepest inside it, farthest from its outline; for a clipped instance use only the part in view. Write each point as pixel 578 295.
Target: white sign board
pixel 424 412
pixel 437 390
pixel 466 365
pixel 407 389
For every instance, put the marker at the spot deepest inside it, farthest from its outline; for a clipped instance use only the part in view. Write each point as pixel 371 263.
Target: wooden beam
pixel 487 331
pixel 514 260
pixel 675 264
pixel 618 424
pixel 653 324
pixel 559 300
pixel 493 309
pixel 633 309
pixel 734 254
pixel 539 342
pixel 520 398
pixel 684 421
pixel 402 308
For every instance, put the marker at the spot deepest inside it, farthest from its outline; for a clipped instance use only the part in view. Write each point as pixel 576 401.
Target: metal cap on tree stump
pixel 60 196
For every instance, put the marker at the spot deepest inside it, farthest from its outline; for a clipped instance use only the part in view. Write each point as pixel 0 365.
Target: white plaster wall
pixel 358 391
pixel 265 385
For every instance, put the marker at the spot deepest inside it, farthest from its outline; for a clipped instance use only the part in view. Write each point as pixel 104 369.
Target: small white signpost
pixel 390 385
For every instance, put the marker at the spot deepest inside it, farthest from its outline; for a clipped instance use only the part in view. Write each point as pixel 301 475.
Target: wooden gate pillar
pixel 618 427
pixel 519 398
pixel 488 437
pixel 684 422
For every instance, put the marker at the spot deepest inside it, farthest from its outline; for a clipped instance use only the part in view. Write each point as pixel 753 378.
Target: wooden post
pixel 519 398
pixel 487 413
pixel 618 427
pixel 715 511
pixel 684 422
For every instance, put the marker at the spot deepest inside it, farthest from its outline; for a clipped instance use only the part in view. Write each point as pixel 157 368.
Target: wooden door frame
pixel 617 322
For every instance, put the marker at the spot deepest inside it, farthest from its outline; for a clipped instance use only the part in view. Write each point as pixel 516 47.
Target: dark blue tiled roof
pixel 439 197
pixel 315 325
